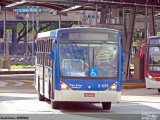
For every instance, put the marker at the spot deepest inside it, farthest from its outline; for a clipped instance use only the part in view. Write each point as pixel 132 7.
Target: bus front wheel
pixel 106 105
pixel 159 90
pixel 55 105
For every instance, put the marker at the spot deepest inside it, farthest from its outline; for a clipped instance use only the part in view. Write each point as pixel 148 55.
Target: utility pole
pixel 96 14
pixel 7 60
pixel 37 20
pixel 33 36
pixel 27 16
pixel 60 21
pixel 146 23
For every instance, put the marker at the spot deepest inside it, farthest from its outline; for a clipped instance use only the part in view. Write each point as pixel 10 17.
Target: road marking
pixel 16 83
pixel 2 83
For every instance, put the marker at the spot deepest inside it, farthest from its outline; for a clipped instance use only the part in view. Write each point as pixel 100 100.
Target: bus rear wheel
pixel 106 105
pixel 55 105
pixel 159 90
pixel 41 97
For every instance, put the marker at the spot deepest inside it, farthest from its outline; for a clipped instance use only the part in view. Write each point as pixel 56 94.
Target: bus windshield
pixel 154 59
pixel 88 60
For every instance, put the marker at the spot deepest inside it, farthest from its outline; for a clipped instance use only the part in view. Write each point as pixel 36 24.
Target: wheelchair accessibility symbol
pixel 93 72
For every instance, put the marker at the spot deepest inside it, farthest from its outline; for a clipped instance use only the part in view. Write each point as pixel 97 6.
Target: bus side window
pixel 50 60
pixel 45 51
pixel 37 52
pixel 42 54
pixel 48 48
pixel 45 43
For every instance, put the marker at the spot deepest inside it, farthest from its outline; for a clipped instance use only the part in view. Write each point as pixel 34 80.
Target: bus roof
pixel 154 37
pixel 54 32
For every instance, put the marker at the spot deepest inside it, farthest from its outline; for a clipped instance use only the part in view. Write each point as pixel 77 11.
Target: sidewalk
pixel 133 84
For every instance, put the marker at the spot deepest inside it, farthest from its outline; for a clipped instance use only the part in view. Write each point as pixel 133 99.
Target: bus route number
pixel 103 85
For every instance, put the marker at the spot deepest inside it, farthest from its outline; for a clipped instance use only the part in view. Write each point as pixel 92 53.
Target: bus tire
pixel 41 97
pixel 55 105
pixel 106 105
pixel 159 90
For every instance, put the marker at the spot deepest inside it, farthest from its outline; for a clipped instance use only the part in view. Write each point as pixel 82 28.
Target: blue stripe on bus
pixel 57 82
pixel 120 64
pixel 94 85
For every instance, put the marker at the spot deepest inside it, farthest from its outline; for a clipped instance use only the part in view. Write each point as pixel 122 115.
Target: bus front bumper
pixel 87 96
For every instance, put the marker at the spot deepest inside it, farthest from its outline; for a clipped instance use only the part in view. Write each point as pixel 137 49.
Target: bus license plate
pixel 89 94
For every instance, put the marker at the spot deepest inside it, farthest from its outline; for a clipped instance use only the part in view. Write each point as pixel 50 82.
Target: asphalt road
pixel 135 104
pixel 17 77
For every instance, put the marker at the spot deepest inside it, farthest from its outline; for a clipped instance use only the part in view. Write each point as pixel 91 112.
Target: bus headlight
pixel 113 87
pixel 64 86
pixel 150 77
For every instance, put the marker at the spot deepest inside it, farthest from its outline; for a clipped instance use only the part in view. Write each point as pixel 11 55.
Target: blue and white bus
pixel 79 65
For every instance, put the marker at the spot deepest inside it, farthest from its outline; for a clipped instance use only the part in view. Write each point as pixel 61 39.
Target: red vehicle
pixel 151 50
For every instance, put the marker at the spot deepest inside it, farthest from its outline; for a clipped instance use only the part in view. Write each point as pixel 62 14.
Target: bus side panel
pixel 39 66
pixel 36 74
pixel 152 83
pixel 47 67
pixel 40 82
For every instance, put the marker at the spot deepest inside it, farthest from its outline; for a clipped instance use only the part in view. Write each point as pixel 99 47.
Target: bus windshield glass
pixel 154 59
pixel 88 60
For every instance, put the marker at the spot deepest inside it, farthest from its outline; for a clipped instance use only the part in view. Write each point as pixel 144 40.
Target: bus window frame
pixel 42 50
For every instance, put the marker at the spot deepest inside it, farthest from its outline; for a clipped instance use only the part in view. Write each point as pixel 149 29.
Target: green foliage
pixel 8 32
pixel 52 27
pixel 138 34
pixel 19 27
pixel 21 67
pixel 158 33
pixel 55 26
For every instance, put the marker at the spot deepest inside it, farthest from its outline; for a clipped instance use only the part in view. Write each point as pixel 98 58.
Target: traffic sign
pixel 29 10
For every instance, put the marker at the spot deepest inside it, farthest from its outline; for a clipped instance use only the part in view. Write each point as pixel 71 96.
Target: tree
pixel 43 26
pixel 22 30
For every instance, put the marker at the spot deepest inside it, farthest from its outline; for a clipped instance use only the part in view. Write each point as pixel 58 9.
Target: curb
pixel 131 86
pixel 16 72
